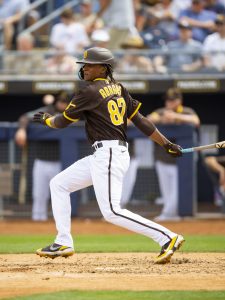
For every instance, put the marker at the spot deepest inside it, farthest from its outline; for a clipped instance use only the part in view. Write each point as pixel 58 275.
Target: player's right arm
pixel 70 115
pixel 149 129
pixel 57 121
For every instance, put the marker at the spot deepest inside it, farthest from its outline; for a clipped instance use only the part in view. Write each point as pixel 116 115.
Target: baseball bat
pixel 23 177
pixel 205 147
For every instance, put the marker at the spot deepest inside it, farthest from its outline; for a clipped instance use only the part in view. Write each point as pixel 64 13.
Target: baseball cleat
pixel 55 250
pixel 168 250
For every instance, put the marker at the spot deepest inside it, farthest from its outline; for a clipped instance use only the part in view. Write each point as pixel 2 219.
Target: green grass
pixel 109 243
pixel 127 295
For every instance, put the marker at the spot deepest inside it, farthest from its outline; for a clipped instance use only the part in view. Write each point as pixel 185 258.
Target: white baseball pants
pixel 43 171
pixel 105 169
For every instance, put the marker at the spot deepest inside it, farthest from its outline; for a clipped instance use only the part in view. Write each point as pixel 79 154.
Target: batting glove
pixel 173 149
pixel 41 117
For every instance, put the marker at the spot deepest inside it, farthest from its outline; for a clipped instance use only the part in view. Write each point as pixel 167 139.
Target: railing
pixel 54 14
pixel 128 63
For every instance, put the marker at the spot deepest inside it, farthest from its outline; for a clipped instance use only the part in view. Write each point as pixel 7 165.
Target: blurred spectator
pixel 179 5
pixel 100 38
pixel 134 62
pixel 214 47
pixel 26 60
pixel 164 12
pixel 60 62
pixel 201 20
pixel 140 11
pixel 119 19
pixel 87 17
pixel 216 167
pixel 172 113
pixel 185 53
pixel 11 12
pixel 46 164
pixel 69 34
pixel 154 36
pixel 130 176
pixel 214 5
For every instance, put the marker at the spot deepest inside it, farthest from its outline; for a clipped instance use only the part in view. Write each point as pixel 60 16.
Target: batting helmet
pixel 97 55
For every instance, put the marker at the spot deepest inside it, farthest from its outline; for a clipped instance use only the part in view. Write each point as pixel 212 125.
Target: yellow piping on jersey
pixel 106 80
pixel 136 110
pixel 68 118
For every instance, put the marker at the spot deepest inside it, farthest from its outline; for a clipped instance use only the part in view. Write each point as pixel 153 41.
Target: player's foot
pixel 55 250
pixel 168 250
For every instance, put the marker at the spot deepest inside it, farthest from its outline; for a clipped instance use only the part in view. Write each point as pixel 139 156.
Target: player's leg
pixel 129 182
pixel 108 167
pixel 40 190
pixel 72 179
pixel 170 208
pixel 168 181
pixel 53 168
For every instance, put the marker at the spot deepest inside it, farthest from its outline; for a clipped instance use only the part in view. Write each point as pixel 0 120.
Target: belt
pixel 97 145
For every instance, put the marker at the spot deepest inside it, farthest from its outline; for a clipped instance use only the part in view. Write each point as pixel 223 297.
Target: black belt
pixel 100 145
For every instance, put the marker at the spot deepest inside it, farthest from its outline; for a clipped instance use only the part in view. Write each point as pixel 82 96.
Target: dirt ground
pixel 27 274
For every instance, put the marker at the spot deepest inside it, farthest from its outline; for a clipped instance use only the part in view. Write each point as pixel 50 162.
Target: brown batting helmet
pixel 97 55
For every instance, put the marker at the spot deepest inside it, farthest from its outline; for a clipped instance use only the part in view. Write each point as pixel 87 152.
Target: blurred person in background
pixel 174 113
pixel 60 62
pixel 154 36
pixel 47 158
pixel 214 47
pixel 185 53
pixel 214 5
pixel 134 62
pixel 200 19
pixel 26 60
pixel 100 38
pixel 166 15
pixel 69 34
pixel 87 17
pixel 119 20
pixel 216 168
pixel 11 12
pixel 130 176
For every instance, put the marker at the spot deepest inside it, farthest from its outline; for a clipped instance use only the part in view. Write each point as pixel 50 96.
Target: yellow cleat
pixel 168 250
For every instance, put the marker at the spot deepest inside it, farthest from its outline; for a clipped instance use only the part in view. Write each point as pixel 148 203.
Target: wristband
pixel 48 122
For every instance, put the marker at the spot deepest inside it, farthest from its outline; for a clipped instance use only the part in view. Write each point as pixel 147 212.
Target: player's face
pixel 92 72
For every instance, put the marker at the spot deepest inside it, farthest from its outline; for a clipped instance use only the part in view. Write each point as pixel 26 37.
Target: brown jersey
pixel 105 106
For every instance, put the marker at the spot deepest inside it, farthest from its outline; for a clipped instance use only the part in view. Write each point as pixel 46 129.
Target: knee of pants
pixel 110 215
pixel 55 183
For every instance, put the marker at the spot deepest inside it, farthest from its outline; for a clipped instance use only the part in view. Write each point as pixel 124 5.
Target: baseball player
pixel 46 163
pixel 106 106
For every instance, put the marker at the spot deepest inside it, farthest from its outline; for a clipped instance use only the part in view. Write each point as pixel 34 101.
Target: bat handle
pixel 187 150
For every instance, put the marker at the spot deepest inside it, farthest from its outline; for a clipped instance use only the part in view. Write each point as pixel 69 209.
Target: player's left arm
pixel 149 129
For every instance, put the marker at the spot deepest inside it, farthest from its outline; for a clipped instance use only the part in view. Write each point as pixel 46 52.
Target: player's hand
pixel 41 117
pixel 173 149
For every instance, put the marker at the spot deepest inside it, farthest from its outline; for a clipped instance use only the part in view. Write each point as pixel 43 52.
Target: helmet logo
pixel 85 54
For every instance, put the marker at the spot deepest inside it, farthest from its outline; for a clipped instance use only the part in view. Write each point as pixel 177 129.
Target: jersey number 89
pixel 117 110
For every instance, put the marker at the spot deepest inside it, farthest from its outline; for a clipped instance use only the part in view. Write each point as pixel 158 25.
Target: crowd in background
pixel 164 35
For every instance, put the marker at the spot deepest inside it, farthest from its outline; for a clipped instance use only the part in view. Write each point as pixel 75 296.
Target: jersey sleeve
pixel 80 103
pixel 133 105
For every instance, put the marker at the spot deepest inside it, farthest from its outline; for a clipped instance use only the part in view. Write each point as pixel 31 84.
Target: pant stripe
pixel 111 206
